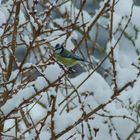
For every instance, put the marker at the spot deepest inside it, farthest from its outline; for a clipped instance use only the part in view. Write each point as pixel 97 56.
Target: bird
pixel 66 57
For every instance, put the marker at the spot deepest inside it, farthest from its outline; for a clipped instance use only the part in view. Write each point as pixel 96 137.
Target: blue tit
pixel 66 57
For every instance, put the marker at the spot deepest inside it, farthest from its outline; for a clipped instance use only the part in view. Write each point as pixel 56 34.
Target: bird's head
pixel 58 48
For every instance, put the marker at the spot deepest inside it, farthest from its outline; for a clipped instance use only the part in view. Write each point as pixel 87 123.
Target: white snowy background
pixel 54 106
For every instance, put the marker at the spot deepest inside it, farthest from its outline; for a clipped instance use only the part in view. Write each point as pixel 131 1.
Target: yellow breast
pixel 68 62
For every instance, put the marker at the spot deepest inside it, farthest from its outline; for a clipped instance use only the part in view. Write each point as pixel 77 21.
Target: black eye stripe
pixel 57 46
pixel 59 49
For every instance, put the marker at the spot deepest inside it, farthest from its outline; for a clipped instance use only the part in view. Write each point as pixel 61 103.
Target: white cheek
pixel 57 51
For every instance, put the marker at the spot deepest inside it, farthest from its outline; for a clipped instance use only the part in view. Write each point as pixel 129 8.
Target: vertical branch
pixel 114 72
pixel 111 20
pixel 1 127
pixel 82 135
pixel 13 45
pixel 16 127
pixel 52 118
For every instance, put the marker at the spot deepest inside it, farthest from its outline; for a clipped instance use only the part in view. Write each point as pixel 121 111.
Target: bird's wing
pixel 68 54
